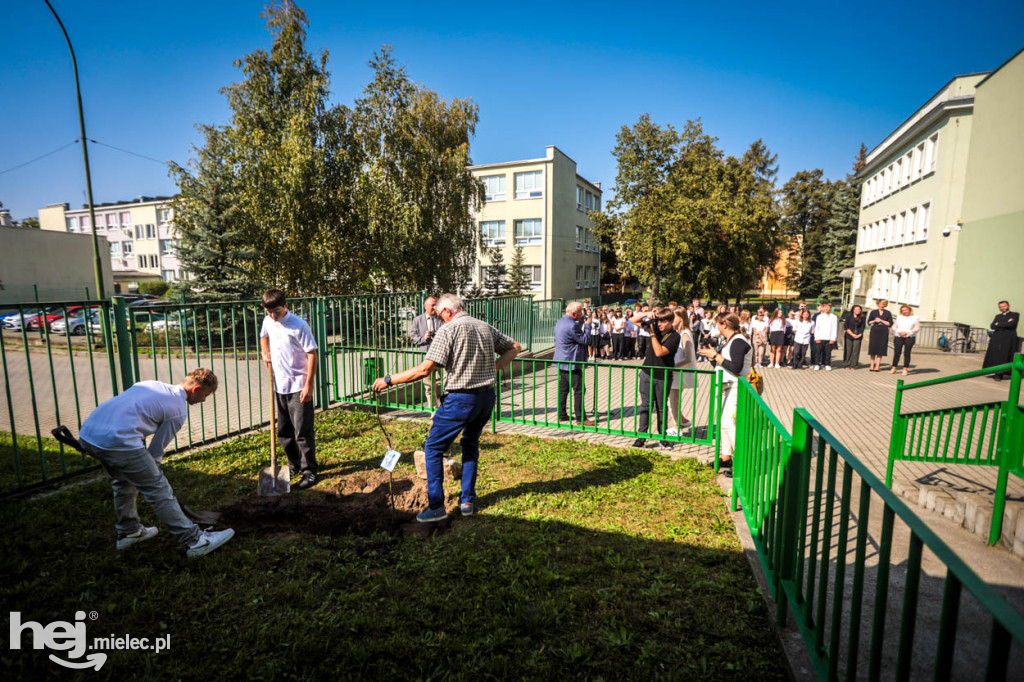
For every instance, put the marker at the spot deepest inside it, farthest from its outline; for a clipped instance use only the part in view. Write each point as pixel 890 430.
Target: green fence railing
pixel 815 513
pixel 59 370
pixel 988 434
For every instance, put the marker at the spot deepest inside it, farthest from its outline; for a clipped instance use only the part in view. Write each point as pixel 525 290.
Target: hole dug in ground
pixel 355 504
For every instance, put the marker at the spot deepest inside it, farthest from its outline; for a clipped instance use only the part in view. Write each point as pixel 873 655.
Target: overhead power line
pixel 38 158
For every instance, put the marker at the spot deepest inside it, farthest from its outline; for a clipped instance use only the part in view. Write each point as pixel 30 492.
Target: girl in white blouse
pixel 685 358
pixel 905 330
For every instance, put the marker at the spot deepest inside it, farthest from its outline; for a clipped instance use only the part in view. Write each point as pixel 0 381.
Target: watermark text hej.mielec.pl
pixel 71 637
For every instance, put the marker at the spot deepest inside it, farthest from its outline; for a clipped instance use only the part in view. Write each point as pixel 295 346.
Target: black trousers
pixel 576 378
pixel 295 431
pixel 824 353
pixel 799 355
pixel 617 346
pixel 902 344
pixel 629 347
pixel 652 395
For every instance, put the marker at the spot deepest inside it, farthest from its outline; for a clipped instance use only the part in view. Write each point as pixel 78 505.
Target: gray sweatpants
pixel 134 472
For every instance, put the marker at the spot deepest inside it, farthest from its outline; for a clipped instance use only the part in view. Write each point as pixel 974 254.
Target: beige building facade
pixel 141 234
pixel 942 212
pixel 911 201
pixel 542 206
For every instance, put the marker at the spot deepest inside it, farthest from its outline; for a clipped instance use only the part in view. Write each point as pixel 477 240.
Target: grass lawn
pixel 56 458
pixel 584 562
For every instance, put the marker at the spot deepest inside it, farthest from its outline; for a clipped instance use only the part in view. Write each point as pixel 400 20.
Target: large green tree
pixel 289 149
pixel 414 192
pixel 686 216
pixel 332 199
pixel 518 280
pixel 213 249
pixel 806 209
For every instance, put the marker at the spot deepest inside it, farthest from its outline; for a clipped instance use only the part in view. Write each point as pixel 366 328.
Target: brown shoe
pixel 585 422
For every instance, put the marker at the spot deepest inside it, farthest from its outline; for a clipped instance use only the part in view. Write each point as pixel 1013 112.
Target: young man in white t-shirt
pixel 115 433
pixel 287 344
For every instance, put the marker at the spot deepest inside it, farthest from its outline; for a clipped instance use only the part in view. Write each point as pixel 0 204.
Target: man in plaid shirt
pixel 465 347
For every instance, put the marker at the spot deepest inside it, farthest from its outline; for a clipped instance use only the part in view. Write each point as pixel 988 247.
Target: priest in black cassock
pixel 1003 342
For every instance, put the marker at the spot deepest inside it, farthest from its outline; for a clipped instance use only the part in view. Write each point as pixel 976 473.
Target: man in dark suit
pixel 1003 343
pixel 571 339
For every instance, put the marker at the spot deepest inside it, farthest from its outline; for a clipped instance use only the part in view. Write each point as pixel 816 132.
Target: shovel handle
pixel 273 422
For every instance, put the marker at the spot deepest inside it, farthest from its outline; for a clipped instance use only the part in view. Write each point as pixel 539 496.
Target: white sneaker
pixel 208 541
pixel 143 533
pixel 671 432
pixel 778 366
pixel 828 368
pixel 816 368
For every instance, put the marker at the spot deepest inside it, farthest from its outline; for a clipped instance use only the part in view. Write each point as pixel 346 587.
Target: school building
pixel 941 223
pixel 541 205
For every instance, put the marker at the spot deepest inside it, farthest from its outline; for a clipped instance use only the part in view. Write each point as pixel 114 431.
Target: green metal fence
pixel 990 434
pixel 825 527
pixel 58 372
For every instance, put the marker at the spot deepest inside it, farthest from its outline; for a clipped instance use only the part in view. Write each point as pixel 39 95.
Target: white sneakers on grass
pixel 142 534
pixel 208 541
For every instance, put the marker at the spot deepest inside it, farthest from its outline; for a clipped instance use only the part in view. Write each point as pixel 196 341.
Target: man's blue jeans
pixel 465 412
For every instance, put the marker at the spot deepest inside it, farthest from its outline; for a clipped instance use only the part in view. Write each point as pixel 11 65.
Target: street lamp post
pixel 97 263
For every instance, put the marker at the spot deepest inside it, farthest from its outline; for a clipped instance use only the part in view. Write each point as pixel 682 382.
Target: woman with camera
pixel 733 362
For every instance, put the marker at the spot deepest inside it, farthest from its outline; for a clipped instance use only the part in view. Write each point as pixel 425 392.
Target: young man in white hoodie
pixel 115 434
pixel 825 330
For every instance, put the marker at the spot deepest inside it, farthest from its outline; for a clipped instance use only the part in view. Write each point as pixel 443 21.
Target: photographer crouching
pixel 659 358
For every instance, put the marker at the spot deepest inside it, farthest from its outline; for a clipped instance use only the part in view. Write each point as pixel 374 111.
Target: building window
pixel 165 215
pixel 906 168
pixel 85 222
pixel 597 202
pixel 579 276
pixel 529 185
pixel 72 224
pixel 126 218
pixel 127 248
pixel 579 238
pixel 493 232
pixel 586 239
pixel 909 226
pixel 916 277
pixel 922 222
pixel 167 247
pixel 494 187
pixel 168 275
pixel 933 150
pixel 115 249
pixel 528 232
pixel 900 220
pixel 150 231
pixel 533 273
pixel 918 160
pixel 579 198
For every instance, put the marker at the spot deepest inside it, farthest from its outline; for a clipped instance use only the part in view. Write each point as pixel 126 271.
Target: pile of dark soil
pixel 353 504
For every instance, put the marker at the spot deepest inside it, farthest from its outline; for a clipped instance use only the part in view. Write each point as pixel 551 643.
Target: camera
pixel 706 342
pixel 646 324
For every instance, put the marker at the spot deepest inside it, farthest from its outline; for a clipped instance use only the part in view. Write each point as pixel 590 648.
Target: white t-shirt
pixel 825 327
pixel 618 325
pixel 759 326
pixel 803 332
pixel 148 408
pixel 778 325
pixel 290 340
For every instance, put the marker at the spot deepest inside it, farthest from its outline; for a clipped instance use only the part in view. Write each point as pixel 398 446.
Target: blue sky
pixel 813 80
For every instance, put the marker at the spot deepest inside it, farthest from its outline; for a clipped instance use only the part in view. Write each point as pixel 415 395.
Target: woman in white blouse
pixel 802 338
pixel 686 358
pixel 905 330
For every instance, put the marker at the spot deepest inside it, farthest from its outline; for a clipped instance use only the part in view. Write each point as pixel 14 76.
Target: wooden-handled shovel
pixel 274 480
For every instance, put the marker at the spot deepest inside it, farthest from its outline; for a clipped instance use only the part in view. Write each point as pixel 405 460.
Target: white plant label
pixel 391 458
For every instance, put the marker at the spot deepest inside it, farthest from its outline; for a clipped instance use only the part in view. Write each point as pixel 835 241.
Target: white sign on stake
pixel 390 460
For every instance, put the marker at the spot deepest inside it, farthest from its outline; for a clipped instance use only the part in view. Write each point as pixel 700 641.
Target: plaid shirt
pixel 466 347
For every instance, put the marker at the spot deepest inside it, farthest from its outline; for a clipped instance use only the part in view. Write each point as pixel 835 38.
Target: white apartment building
pixel 143 241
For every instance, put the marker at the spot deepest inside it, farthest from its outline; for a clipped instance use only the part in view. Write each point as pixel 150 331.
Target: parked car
pixel 173 322
pixel 76 323
pixel 51 315
pixel 14 321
